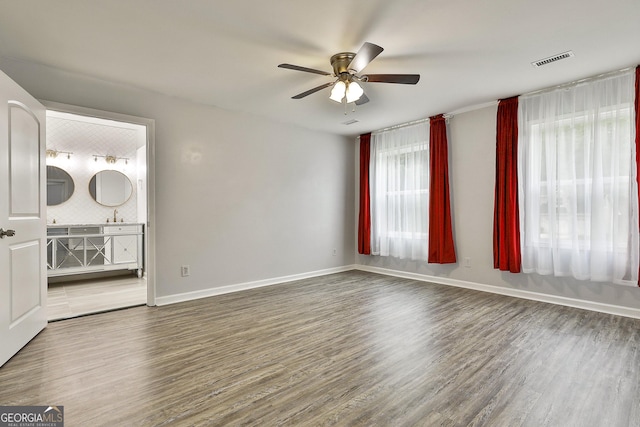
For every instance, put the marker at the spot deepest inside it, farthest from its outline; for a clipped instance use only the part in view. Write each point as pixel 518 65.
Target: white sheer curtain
pixel 399 186
pixel 577 181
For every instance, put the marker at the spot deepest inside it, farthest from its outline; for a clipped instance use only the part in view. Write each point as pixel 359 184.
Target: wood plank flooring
pixel 350 349
pixel 77 298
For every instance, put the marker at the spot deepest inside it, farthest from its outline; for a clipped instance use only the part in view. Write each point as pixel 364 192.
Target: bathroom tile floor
pixel 72 299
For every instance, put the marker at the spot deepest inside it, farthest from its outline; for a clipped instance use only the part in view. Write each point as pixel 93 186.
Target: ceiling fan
pixel 346 68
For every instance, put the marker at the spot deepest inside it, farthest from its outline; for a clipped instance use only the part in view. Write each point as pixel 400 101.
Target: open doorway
pixel 98 207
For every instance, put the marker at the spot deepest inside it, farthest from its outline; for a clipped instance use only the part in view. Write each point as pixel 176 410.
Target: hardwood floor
pixel 77 298
pixel 347 349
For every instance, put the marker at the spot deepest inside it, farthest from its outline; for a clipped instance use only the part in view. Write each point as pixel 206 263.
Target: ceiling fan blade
pixel 363 100
pixel 305 69
pixel 366 54
pixel 407 79
pixel 314 90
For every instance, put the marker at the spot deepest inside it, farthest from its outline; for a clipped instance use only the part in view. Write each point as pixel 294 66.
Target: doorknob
pixel 8 233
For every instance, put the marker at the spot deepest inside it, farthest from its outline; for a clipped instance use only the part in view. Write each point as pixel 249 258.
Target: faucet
pixel 115 211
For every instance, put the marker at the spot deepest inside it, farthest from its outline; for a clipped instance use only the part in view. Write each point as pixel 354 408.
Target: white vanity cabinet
pixel 124 242
pixel 77 249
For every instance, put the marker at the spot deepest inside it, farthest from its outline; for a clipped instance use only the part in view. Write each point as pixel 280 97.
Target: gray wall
pixel 238 198
pixel 472 139
pixel 243 199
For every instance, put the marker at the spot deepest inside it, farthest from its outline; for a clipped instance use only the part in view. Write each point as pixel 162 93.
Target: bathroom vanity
pixel 88 248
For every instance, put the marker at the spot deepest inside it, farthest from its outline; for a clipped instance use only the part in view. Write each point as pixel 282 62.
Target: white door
pixel 23 276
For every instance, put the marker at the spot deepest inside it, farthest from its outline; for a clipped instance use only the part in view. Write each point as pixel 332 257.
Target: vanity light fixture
pixel 111 159
pixel 52 154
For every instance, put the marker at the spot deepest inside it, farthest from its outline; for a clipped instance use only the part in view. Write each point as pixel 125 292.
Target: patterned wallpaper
pixel 86 139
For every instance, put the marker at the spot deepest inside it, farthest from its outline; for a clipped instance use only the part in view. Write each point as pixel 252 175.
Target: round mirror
pixel 60 186
pixel 110 188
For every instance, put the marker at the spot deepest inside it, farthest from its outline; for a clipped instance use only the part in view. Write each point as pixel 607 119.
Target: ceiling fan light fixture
pixel 354 92
pixel 347 67
pixel 338 91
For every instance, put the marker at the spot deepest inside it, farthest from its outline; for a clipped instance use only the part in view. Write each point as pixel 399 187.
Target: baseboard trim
pixel 517 293
pixel 188 296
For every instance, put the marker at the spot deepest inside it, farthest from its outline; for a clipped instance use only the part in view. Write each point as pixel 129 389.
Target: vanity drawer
pixel 112 229
pixel 57 231
pixel 85 230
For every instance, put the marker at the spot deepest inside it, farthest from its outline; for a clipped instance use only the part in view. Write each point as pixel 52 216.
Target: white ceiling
pixel 225 53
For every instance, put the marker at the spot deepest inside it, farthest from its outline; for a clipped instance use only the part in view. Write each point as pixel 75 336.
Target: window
pixel 577 186
pixel 399 180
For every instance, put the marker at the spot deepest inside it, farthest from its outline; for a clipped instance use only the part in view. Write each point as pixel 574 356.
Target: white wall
pixel 472 139
pixel 238 198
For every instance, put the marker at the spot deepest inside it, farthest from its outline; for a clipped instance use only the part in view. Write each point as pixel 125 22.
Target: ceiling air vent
pixel 350 122
pixel 554 58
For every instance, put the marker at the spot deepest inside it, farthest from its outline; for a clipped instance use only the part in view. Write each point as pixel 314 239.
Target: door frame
pixel 150 228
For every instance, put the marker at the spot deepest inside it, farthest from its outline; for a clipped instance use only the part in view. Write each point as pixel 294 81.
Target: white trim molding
pixel 517 293
pixel 204 293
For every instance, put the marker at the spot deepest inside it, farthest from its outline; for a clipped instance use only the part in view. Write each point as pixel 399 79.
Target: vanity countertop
pixel 103 224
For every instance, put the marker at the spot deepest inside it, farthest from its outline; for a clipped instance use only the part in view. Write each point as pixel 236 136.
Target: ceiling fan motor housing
pixel 340 63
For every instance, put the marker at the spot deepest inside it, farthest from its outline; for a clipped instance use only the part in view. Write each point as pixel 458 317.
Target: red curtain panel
pixel 441 246
pixel 506 225
pixel 364 218
pixel 637 105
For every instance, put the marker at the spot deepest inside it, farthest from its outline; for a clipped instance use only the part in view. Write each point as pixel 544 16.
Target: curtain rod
pixel 578 82
pixel 402 125
pixel 415 122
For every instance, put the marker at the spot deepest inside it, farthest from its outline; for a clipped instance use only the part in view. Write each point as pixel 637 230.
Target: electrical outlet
pixel 467 262
pixel 335 251
pixel 185 271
